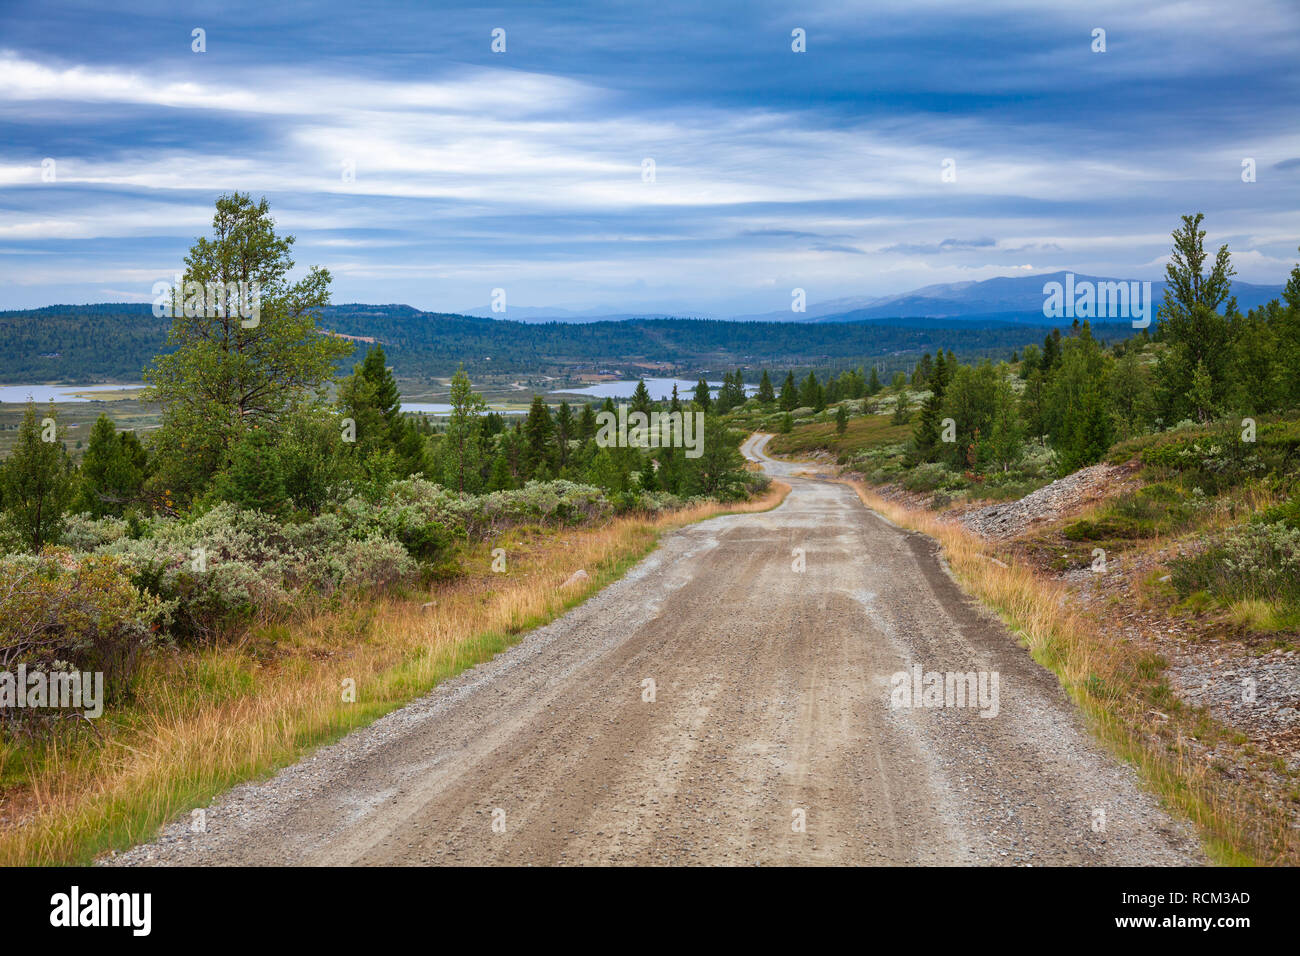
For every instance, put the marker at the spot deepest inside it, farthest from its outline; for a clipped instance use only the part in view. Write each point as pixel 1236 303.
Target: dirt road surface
pixel 770 735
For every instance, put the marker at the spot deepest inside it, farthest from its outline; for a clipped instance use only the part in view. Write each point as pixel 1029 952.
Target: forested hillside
pixel 86 343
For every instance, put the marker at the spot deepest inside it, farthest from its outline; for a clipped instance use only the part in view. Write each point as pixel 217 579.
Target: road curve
pixel 772 737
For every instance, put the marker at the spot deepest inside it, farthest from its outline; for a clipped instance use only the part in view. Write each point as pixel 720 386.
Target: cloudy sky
pixel 420 166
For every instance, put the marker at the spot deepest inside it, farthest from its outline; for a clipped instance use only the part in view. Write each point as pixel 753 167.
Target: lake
pixel 41 394
pixel 441 408
pixel 75 395
pixel 661 389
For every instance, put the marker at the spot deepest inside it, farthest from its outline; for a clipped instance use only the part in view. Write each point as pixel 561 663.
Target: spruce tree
pixel 112 470
pixel 461 443
pixel 255 479
pixel 641 401
pixel 539 435
pixel 37 481
pixel 927 426
pixel 566 429
pixel 587 424
pixel 789 398
pixel 702 397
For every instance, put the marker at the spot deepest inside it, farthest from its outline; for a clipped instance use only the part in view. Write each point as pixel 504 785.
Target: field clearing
pixel 863 432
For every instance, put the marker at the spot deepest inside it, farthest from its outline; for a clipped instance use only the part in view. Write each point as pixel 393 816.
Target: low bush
pixel 1102 528
pixel 1250 561
pixel 63 611
pixel 927 476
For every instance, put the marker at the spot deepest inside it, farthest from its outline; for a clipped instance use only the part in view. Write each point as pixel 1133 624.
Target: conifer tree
pixel 37 479
pixel 539 435
pixel 789 398
pixel 702 397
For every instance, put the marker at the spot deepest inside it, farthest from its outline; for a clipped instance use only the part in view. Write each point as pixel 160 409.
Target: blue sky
pixel 522 170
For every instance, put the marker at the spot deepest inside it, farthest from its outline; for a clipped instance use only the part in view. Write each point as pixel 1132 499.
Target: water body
pixel 661 389
pixel 73 395
pixel 441 408
pixel 68 394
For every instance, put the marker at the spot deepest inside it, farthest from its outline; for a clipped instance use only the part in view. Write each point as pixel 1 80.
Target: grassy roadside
pixel 861 433
pixel 1112 683
pixel 206 720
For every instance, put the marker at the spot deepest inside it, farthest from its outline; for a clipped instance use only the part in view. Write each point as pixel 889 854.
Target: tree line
pixel 1203 361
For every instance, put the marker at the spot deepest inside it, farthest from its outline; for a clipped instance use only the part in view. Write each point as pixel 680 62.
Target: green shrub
pixel 1102 528
pixel 60 609
pixel 1286 513
pixel 927 476
pixel 1250 561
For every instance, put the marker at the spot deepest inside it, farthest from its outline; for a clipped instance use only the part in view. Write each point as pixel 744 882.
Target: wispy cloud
pixel 421 167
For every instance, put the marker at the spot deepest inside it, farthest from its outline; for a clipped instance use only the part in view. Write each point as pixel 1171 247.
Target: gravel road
pixel 775 732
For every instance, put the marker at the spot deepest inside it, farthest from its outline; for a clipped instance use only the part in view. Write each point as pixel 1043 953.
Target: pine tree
pixel 924 369
pixel 387 397
pixel 874 386
pixel 811 393
pixel 1051 352
pixel 1078 414
pixel 841 419
pixel 226 373
pixel 499 478
pixel 719 464
pixel 722 403
pixel 1198 337
pixel 255 478
pixel 902 409
pixel 766 395
pixel 738 388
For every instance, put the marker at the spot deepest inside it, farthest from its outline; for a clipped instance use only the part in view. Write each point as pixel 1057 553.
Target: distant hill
pixel 535 314
pixel 115 341
pixel 1004 299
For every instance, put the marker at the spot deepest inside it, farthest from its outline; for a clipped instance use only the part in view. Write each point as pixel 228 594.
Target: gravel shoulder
pixel 771 705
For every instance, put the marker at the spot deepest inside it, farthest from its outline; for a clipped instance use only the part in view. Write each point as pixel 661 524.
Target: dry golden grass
pixel 207 719
pixel 1105 677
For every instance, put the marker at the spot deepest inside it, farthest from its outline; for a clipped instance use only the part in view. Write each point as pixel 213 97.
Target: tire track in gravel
pixel 772 695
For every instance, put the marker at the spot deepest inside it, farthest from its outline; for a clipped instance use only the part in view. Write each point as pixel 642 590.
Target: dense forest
pixel 114 342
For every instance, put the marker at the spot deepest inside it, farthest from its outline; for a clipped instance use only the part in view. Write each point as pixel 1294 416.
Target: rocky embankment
pixel 1062 498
